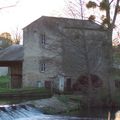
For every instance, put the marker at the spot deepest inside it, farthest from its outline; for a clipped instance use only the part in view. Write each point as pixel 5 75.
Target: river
pixel 28 112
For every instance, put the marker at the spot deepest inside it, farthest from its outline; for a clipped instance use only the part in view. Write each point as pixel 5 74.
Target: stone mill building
pixel 60 50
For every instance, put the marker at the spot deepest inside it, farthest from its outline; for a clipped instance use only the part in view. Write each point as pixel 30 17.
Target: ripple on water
pixel 52 117
pixel 27 112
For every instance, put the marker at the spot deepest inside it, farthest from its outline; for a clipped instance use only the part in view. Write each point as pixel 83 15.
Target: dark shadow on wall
pixel 82 83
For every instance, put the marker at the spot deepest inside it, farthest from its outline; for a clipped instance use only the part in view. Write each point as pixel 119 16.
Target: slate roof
pixel 68 22
pixel 12 53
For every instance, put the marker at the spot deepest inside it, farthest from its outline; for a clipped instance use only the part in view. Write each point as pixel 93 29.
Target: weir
pixel 28 112
pixel 18 112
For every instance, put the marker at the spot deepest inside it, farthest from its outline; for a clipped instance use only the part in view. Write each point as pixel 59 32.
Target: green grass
pixel 23 90
pixel 63 98
pixel 4 81
pixel 5 90
pixel 40 93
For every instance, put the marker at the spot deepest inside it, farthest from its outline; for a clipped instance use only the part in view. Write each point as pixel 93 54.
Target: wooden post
pixel 109 116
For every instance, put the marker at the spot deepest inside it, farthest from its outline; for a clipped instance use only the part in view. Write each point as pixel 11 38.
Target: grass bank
pixel 20 95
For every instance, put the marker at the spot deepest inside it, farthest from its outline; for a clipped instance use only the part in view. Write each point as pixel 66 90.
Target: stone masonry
pixel 62 46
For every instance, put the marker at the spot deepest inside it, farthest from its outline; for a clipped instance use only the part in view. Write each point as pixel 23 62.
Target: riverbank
pixel 16 96
pixel 70 105
pixel 58 104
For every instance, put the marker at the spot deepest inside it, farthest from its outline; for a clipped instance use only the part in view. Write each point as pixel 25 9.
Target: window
pixel 42 67
pixel 43 39
pixel 0 42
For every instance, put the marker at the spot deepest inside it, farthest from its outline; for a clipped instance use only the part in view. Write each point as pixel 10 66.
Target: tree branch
pixel 115 14
pixel 111 2
pixel 9 6
pixel 108 13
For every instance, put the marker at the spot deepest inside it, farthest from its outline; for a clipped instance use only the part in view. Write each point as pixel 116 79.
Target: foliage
pixel 106 6
pixel 4 79
pixel 91 4
pixel 92 17
pixel 11 39
pixel 103 5
pixel 6 35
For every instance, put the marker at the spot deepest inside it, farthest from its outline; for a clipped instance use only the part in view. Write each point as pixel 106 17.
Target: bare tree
pixel 75 9
pixel 82 55
pixel 110 10
pixel 107 11
pixel 13 38
pixel 16 36
pixel 9 6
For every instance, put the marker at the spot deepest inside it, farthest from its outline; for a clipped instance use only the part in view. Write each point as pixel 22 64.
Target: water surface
pixel 27 112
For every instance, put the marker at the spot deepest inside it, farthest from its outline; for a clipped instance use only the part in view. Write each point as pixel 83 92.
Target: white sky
pixel 25 12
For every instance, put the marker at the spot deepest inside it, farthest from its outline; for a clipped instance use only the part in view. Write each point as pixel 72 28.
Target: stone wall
pixel 68 43
pixel 84 52
pixel 36 53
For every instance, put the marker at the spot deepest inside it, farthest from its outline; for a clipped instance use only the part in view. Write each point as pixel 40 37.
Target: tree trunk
pixel 109 62
pixel 88 73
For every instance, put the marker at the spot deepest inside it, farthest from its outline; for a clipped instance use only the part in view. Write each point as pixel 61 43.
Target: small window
pixel 42 67
pixel 43 39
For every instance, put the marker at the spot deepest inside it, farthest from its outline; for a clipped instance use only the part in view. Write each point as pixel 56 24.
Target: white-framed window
pixel 42 67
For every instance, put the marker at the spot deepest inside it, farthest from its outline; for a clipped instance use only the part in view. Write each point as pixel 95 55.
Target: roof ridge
pixel 60 18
